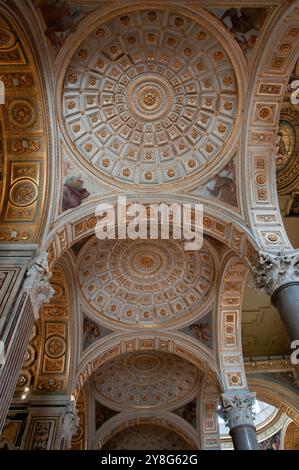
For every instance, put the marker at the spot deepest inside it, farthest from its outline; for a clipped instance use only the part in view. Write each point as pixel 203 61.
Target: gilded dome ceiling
pixel 132 283
pixel 146 379
pixel 147 437
pixel 149 98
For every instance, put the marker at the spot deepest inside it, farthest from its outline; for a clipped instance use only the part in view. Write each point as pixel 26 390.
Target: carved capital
pixel 237 410
pixel 275 270
pixel 70 423
pixel 37 282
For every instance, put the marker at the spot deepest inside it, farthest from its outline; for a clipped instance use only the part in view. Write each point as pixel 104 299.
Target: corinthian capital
pixel 37 282
pixel 237 410
pixel 275 270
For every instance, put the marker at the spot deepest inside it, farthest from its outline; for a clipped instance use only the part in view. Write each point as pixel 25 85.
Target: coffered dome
pixel 146 379
pixel 134 283
pixel 149 98
pixel 146 437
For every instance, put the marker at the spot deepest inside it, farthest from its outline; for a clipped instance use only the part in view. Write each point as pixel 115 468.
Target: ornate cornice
pixel 275 270
pixel 237 409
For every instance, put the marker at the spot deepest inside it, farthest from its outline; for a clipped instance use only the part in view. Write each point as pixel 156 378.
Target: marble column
pixel 24 287
pixel 278 276
pixel 238 415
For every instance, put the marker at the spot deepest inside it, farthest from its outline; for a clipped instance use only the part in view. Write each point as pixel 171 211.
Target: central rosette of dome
pixel 145 282
pixel 150 97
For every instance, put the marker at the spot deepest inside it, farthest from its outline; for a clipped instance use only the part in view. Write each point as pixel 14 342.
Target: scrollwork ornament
pixel 272 271
pixel 237 410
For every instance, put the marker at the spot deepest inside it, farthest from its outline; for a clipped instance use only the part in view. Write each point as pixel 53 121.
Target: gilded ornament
pixel 88 147
pixel 105 162
pixel 265 113
pixel 100 33
pixel 201 36
pixel 228 105
pixel 272 237
pixel 83 54
pixel 148 175
pixel 227 80
pixel 72 78
pixel 21 113
pixel 170 172
pixel 260 179
pixel 76 128
pixel 23 193
pixel 124 20
pixel 152 15
pixel 126 172
pixel 71 104
pixel 218 56
pixel 191 163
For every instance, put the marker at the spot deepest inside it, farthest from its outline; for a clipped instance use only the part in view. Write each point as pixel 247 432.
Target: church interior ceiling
pixel 153 102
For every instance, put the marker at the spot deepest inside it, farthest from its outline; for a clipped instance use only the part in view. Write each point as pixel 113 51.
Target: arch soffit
pixel 276 60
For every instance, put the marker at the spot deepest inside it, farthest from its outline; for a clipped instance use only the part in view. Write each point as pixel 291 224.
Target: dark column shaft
pixel 244 437
pixel 286 300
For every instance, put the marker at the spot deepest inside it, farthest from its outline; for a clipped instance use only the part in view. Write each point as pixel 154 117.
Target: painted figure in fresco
pixel 58 18
pixel 280 148
pixel 246 43
pixel 73 193
pixel 202 331
pixel 249 18
pixel 91 332
pixel 224 189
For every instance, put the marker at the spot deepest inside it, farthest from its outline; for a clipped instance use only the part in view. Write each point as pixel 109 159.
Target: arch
pixel 120 343
pixel 24 207
pixel 279 396
pixel 81 222
pixel 229 337
pixel 276 60
pixel 159 418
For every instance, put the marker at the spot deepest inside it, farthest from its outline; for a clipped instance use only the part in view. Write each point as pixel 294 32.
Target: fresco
pixel 272 443
pixel 61 19
pixel 222 186
pixel 92 332
pixel 202 330
pixel 77 186
pixel 244 24
pixel 102 414
pixel 293 208
pixel 188 412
